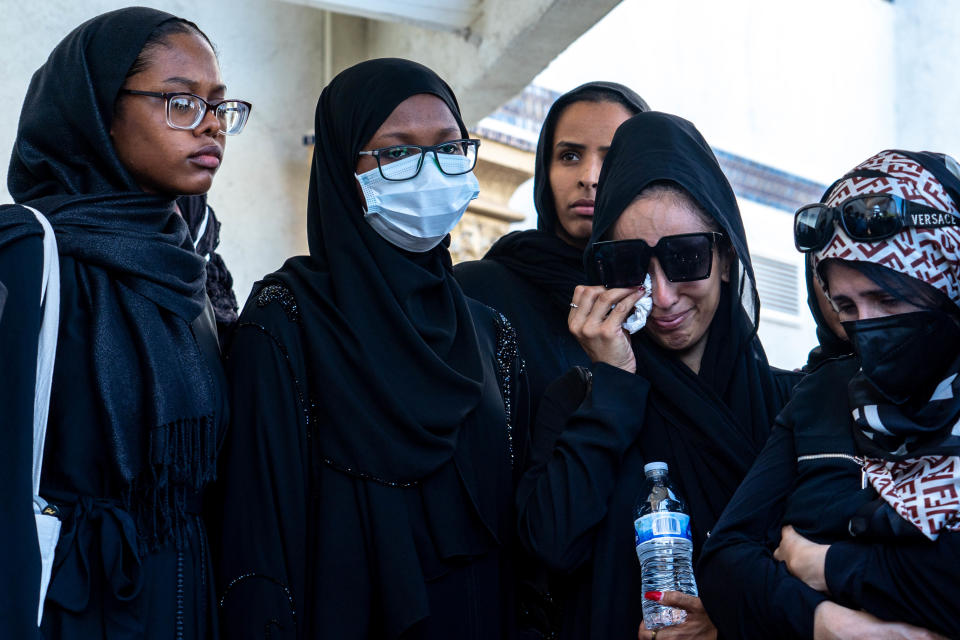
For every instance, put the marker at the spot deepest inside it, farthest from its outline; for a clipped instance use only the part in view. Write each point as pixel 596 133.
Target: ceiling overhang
pixel 443 15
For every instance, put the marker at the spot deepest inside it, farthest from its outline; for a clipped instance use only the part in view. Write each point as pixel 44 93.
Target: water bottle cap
pixel 654 466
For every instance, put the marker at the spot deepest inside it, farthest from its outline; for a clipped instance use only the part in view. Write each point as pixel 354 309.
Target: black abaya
pixel 137 401
pixel 378 414
pixel 575 501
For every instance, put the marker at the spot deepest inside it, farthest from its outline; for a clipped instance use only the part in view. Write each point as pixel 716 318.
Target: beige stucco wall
pixel 501 169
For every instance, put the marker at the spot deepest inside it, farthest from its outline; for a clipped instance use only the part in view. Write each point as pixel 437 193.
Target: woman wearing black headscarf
pixel 529 276
pixel 693 388
pixel 137 404
pixel 369 477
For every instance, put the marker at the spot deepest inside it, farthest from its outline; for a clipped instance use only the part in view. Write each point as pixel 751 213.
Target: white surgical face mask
pixel 417 214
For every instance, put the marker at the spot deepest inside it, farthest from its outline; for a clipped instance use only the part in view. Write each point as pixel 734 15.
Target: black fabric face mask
pixel 904 356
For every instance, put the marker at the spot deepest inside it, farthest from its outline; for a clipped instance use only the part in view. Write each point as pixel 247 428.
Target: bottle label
pixel 666 524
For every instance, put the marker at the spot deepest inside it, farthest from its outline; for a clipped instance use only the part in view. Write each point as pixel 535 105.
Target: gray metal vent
pixel 777 284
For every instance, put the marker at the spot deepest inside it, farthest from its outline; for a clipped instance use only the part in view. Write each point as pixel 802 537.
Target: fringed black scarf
pixel 130 258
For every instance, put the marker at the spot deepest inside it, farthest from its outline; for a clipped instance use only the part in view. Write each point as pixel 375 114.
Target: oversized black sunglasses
pixel 625 263
pixel 865 218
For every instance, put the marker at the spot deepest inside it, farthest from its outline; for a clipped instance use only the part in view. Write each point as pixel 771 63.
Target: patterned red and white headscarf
pixel 924 490
pixel 931 255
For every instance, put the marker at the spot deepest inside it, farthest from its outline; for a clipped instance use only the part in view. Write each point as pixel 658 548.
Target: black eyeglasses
pixel 865 218
pixel 186 110
pixel 404 161
pixel 625 263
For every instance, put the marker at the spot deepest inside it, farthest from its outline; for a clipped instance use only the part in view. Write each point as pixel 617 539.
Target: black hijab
pixel 712 424
pixel 396 367
pixel 389 324
pixel 540 256
pixel 129 257
pixel 204 228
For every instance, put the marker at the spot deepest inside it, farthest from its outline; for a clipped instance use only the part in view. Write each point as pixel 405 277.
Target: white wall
pixel 807 87
pixel 927 98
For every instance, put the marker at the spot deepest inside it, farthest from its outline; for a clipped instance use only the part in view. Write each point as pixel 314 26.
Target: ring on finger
pixel 574 305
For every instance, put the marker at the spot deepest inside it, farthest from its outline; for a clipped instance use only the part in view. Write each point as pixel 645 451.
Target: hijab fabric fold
pixel 129 256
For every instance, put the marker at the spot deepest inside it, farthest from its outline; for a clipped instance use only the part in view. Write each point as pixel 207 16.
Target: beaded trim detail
pixel 507 356
pixel 280 294
pixel 245 576
pixel 363 475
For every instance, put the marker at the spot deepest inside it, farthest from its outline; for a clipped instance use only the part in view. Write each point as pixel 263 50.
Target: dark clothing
pixel 575 501
pixel 306 538
pixel 530 276
pixel 21 264
pixel 898 576
pixel 586 467
pixel 122 566
pixel 368 403
pixel 138 404
pixel 548 347
pixel 205 231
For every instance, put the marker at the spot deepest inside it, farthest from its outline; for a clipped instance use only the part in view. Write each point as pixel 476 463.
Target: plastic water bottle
pixel 664 545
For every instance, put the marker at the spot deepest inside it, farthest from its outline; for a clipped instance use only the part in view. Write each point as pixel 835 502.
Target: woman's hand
pixel 697 626
pixel 834 622
pixel 804 559
pixel 595 319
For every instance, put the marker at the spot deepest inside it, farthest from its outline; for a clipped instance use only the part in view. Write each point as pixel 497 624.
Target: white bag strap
pixel 203 228
pixel 47 347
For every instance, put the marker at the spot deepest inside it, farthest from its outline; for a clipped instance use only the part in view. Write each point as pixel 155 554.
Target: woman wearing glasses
pixel 377 410
pixel 851 514
pixel 692 388
pixel 127 114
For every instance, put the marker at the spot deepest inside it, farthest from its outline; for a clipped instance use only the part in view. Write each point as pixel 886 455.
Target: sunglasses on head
pixel 625 263
pixel 865 218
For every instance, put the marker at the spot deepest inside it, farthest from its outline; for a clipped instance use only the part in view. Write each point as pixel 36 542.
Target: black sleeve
pixel 746 592
pixel 263 478
pixel 785 382
pixel 564 494
pixel 913 582
pixel 21 266
pixel 520 419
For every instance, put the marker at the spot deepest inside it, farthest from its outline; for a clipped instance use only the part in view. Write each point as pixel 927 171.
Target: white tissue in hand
pixel 641 309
